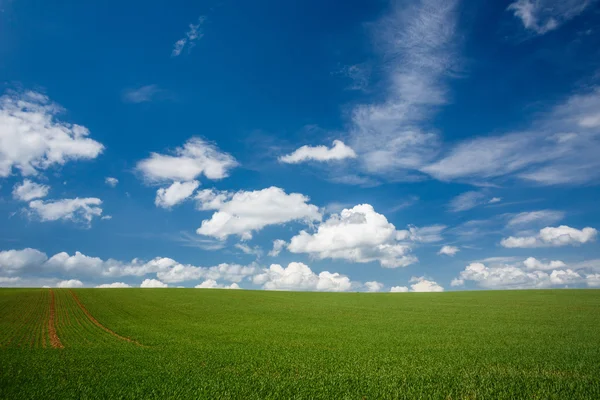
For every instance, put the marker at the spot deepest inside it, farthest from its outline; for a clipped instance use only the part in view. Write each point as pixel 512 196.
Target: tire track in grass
pixel 98 324
pixel 54 339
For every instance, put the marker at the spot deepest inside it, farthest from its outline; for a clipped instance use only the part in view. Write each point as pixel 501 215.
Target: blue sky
pixel 351 146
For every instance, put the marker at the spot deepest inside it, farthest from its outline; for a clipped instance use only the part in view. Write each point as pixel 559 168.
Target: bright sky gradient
pixel 339 146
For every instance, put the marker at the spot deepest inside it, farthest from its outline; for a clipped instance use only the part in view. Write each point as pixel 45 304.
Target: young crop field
pixel 190 343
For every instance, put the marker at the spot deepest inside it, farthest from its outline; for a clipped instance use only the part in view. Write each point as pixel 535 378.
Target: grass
pixel 255 344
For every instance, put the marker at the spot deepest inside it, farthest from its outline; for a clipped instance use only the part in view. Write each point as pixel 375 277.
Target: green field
pixel 190 343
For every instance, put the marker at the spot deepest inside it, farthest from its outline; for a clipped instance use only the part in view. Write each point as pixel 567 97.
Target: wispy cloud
pixel 542 16
pixel 418 45
pixel 141 94
pixel 189 40
pixel 560 148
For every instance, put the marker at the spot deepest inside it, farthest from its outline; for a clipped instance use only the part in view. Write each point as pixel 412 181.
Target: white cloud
pixel 212 284
pixel 71 283
pixel 243 213
pixel 141 95
pixel 457 282
pixel 13 260
pixel 78 209
pixel 542 16
pixel 552 237
pixel 278 245
pixel 339 151
pixel 153 283
pixel 513 277
pixel 32 139
pixel 448 250
pixel 113 285
pixel 175 194
pixel 29 190
pixel 112 182
pixel 298 276
pixel 543 217
pixel 495 200
pixel 254 251
pixel 399 289
pixel 195 158
pixel 191 37
pixel 420 284
pixel 418 45
pixel 373 286
pixel 545 154
pixel 426 234
pixel 359 234
pixel 593 280
pixel 467 201
pixel 532 263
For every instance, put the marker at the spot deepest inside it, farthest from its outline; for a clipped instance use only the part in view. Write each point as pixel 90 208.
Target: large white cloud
pixel 175 194
pixel 298 276
pixel 374 286
pixel 552 237
pixel 358 234
pixel 212 284
pixel 29 190
pixel 195 158
pixel 421 284
pixel 153 283
pixel 32 139
pixel 506 276
pixel 532 263
pixel 339 151
pixel 14 260
pixel 243 213
pixel 71 283
pixel 114 285
pixel 77 209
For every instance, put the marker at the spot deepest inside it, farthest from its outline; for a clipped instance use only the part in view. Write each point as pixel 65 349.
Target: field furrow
pixel 54 339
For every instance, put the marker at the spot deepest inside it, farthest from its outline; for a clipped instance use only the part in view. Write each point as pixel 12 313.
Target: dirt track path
pixel 54 339
pixel 98 324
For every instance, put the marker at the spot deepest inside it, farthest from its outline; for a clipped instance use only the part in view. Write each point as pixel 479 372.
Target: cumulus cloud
pixel 339 151
pixel 449 250
pixel 196 157
pixel 373 286
pixel 14 260
pixel 212 284
pixel 514 277
pixel 243 213
pixel 399 289
pixel 29 190
pixel 358 234
pixel 457 282
pixel 175 194
pixel 153 283
pixel 278 245
pixel 298 276
pixel 532 263
pixel 112 182
pixel 71 283
pixel 421 284
pixel 77 209
pixel 113 285
pixel 33 139
pixel 552 237
pixel 542 16
pixel 191 37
